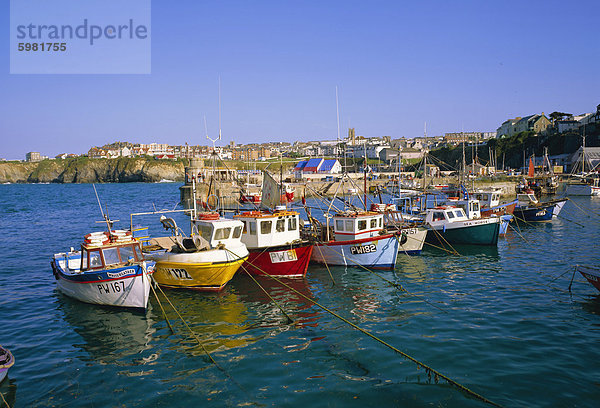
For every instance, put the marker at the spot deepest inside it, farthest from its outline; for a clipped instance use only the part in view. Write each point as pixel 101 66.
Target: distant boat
pixel 6 362
pixel 591 274
pixel 529 209
pixel 109 269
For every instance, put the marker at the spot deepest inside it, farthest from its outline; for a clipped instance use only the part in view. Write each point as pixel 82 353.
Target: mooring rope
pixel 2 395
pixel 429 370
pixel 588 212
pixel 289 319
pixel 326 266
pixel 161 307
pixel 200 342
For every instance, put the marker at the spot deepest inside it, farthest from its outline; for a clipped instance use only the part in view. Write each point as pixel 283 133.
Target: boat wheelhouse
pixel 207 260
pixel 110 269
pixel 274 243
pixel 357 238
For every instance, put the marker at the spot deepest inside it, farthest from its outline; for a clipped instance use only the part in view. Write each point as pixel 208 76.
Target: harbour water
pixel 500 321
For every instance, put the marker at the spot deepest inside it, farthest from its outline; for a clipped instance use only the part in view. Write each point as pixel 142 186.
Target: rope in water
pixel 429 370
pixel 210 357
pixel 2 395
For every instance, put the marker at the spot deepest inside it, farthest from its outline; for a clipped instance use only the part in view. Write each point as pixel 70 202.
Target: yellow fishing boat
pixel 205 261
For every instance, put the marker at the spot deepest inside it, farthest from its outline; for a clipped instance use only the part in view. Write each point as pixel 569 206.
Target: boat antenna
pixel 105 216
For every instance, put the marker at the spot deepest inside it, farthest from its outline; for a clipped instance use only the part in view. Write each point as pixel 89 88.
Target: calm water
pixel 499 321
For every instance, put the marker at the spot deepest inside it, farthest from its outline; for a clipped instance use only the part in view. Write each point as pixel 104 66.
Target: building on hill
pixel 536 123
pixel 317 166
pixel 33 157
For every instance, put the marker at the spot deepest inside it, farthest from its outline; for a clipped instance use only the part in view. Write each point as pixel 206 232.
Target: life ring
pixel 208 216
pixel 209 206
pixel 251 214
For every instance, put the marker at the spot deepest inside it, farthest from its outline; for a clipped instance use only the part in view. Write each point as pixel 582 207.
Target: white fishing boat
pixel 585 180
pixel 358 239
pixel 450 224
pixel 109 269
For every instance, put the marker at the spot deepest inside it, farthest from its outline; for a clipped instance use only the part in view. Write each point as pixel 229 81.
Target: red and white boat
pixel 273 240
pixel 591 274
pixel 273 236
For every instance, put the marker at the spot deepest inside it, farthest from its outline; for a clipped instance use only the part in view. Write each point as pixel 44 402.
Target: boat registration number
pixel 111 287
pixel 363 249
pixel 179 273
pixel 283 256
pixel 540 213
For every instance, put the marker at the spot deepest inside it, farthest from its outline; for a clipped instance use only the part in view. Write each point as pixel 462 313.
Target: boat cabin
pixel 357 225
pixel 525 199
pixel 444 215
pixel 218 231
pixel 471 207
pixel 487 199
pixel 264 229
pixel 107 255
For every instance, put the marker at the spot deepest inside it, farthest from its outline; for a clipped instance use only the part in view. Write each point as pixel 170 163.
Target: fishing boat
pixel 591 274
pixel 109 269
pixel 357 238
pixel 529 209
pixel 450 224
pixel 584 180
pixel 206 260
pixel 6 362
pixel 411 235
pixel 473 210
pixel 274 243
pixel 252 198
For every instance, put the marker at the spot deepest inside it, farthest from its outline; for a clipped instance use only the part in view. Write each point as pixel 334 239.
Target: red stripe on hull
pixel 259 259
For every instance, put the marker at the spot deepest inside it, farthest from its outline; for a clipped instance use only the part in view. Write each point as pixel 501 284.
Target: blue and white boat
pixel 109 269
pixel 529 209
pixel 358 239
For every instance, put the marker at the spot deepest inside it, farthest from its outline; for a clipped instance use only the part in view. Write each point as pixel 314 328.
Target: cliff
pixel 84 170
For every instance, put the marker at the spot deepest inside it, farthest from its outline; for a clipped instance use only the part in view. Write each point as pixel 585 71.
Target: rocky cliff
pixel 84 170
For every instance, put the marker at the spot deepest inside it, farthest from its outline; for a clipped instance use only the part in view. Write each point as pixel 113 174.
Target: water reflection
pixel 8 388
pixel 109 334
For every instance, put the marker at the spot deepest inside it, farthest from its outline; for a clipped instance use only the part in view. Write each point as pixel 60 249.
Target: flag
pixel 531 171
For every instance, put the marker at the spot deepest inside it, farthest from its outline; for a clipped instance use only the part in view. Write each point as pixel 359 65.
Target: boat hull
pixel 504 222
pixel 592 275
pixel 472 232
pixel 540 213
pixel 576 189
pixel 206 270
pixel 411 240
pixel 127 286
pixel 375 252
pixel 284 260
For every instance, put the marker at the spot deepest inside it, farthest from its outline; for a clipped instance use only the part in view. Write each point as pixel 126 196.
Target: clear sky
pixel 457 65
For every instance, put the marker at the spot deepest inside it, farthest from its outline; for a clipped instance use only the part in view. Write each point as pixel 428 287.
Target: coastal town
pixel 381 152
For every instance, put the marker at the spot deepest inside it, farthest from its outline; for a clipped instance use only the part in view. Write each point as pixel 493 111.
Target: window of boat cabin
pixel 95 259
pixel 237 232
pixel 252 227
pixel 339 225
pixel 127 253
pixel 280 225
pixel 362 225
pixel 438 216
pixel 374 223
pixel 111 256
pixel 265 227
pixel 475 206
pixel 245 227
pixel 222 233
pixel 206 232
pixel 450 215
pixel 380 222
pixel 459 213
pixel 292 224
pixel 349 225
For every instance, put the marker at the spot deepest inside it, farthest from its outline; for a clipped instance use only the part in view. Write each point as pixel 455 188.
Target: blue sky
pixel 457 65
